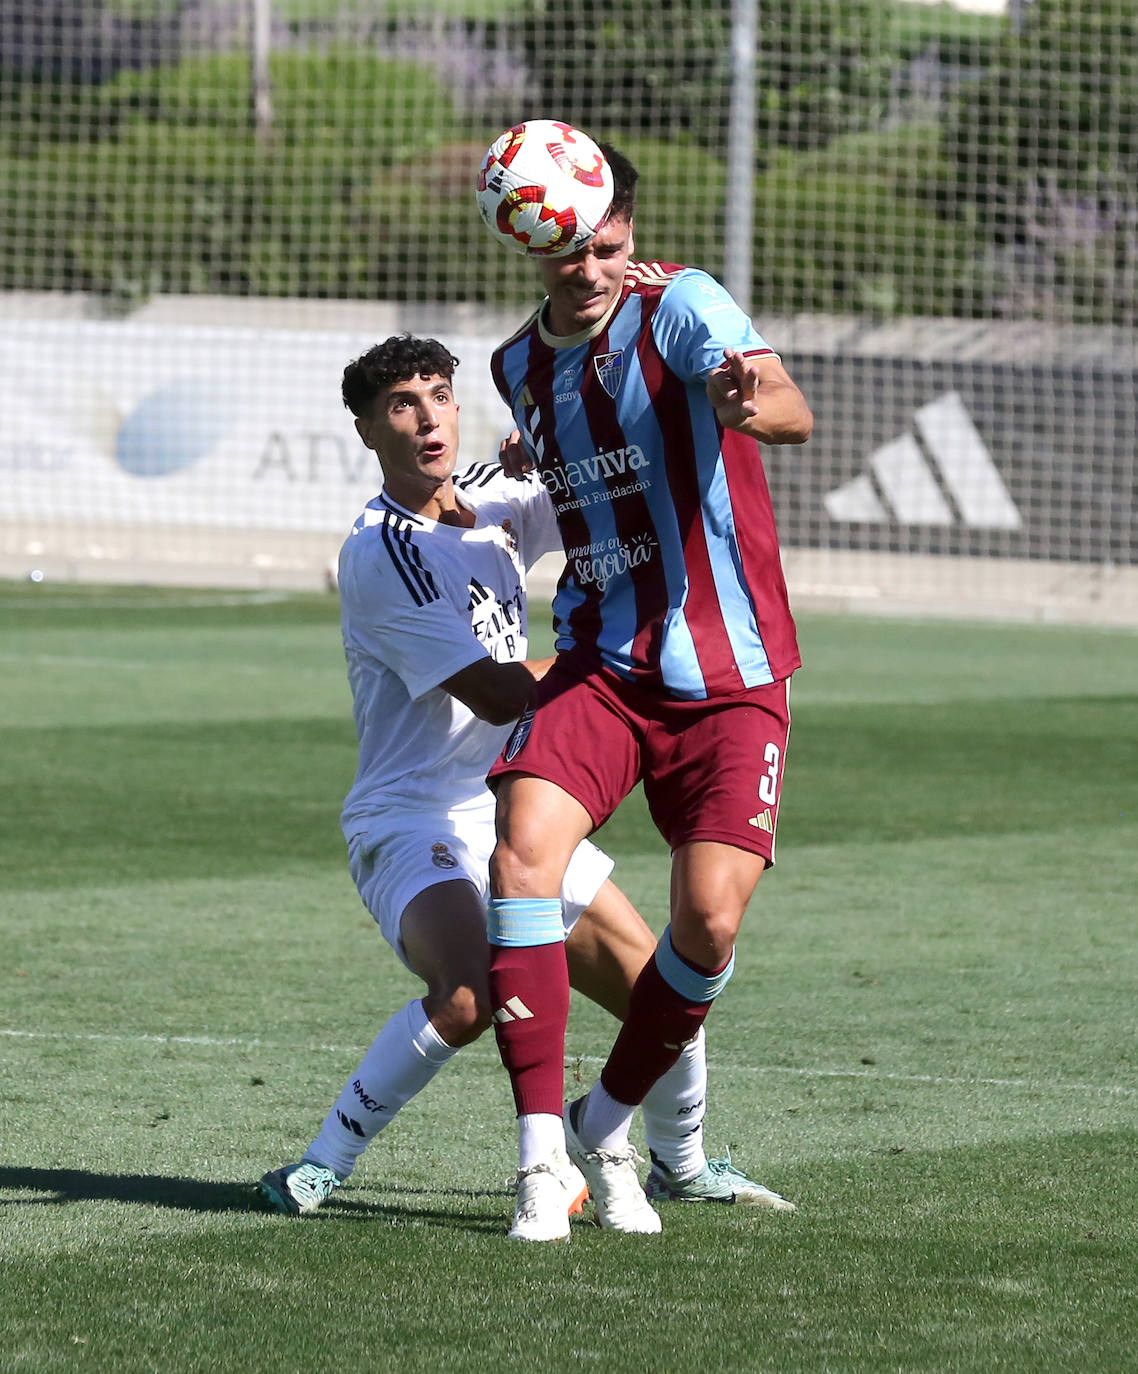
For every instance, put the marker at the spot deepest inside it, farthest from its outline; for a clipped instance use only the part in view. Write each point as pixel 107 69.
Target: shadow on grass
pixel 60 1186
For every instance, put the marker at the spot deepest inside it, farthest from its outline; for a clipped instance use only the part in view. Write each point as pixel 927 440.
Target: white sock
pixel 674 1111
pixel 539 1136
pixel 401 1061
pixel 604 1121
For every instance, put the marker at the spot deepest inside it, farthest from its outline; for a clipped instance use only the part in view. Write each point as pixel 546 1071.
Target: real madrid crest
pixel 441 856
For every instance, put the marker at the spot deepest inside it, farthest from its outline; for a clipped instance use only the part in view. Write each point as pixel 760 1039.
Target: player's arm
pixel 496 692
pixel 399 618
pixel 756 396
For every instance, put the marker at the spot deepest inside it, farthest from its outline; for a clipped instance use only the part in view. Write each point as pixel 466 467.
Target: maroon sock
pixel 660 1023
pixel 533 979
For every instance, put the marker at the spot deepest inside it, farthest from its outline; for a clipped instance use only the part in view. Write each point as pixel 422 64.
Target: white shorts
pixel 409 851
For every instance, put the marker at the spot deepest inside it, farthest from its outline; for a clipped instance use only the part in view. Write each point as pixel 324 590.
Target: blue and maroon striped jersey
pixel 673 577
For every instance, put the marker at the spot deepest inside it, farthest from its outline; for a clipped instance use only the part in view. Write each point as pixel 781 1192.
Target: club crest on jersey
pixel 517 741
pixel 511 537
pixel 441 856
pixel 610 371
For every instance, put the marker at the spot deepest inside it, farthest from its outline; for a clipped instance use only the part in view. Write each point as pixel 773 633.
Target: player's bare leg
pixel 539 825
pixel 711 886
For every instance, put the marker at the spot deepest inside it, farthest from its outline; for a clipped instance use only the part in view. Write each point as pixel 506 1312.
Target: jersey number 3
pixel 768 783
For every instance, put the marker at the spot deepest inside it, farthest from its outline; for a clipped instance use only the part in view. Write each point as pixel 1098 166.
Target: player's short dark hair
pixel 624 179
pixel 396 359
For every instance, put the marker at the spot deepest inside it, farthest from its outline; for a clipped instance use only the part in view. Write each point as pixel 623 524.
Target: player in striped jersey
pixel 640 390
pixel 434 616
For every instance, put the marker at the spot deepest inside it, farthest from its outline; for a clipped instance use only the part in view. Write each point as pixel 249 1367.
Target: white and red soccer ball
pixel 544 188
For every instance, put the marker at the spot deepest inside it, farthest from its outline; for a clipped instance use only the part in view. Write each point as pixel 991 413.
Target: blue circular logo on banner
pixel 171 429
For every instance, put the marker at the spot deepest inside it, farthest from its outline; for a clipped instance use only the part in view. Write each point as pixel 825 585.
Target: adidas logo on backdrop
pixel 901 482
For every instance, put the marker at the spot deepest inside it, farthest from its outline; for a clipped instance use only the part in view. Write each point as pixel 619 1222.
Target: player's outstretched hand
pixel 513 457
pixel 732 389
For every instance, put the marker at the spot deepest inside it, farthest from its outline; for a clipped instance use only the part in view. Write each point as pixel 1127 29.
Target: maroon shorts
pixel 712 770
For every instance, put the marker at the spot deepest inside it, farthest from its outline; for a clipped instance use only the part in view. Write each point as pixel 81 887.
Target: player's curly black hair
pixel 396 359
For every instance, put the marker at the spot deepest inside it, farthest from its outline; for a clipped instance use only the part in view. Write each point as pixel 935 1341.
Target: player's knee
pixel 514 871
pixel 705 934
pixel 722 929
pixel 692 978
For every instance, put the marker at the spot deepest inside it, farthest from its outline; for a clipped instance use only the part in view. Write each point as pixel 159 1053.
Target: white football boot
pixel 548 1194
pixel 612 1179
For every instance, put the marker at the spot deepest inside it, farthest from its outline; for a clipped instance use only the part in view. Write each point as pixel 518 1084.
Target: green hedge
pixel 642 66
pixel 1045 149
pixel 176 194
pixel 364 190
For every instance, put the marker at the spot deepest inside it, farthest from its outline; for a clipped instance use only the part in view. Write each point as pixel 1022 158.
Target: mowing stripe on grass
pixel 808 696
pixel 243 1042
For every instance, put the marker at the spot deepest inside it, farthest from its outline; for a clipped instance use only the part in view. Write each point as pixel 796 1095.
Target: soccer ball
pixel 544 188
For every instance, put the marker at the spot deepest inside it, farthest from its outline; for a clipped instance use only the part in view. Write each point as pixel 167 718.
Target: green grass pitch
pixel 929 1043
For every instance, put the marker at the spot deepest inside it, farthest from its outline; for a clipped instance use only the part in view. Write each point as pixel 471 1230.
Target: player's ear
pixel 363 429
pixel 631 240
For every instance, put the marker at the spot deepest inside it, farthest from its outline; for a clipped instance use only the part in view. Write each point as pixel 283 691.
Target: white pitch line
pixel 939 1080
pixel 126 603
pixel 144 1039
pixel 209 1041
pixel 1115 1089
pixel 81 662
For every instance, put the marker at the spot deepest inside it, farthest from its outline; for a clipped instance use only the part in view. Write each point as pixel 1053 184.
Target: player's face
pixel 413 428
pixel 583 287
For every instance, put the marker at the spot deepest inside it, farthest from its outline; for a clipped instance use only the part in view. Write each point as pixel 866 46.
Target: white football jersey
pixel 419 602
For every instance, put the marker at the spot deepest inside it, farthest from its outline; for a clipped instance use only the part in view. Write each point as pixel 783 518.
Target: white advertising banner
pixel 182 424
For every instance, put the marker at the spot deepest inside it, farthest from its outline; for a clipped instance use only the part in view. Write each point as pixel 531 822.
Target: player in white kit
pixel 434 619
